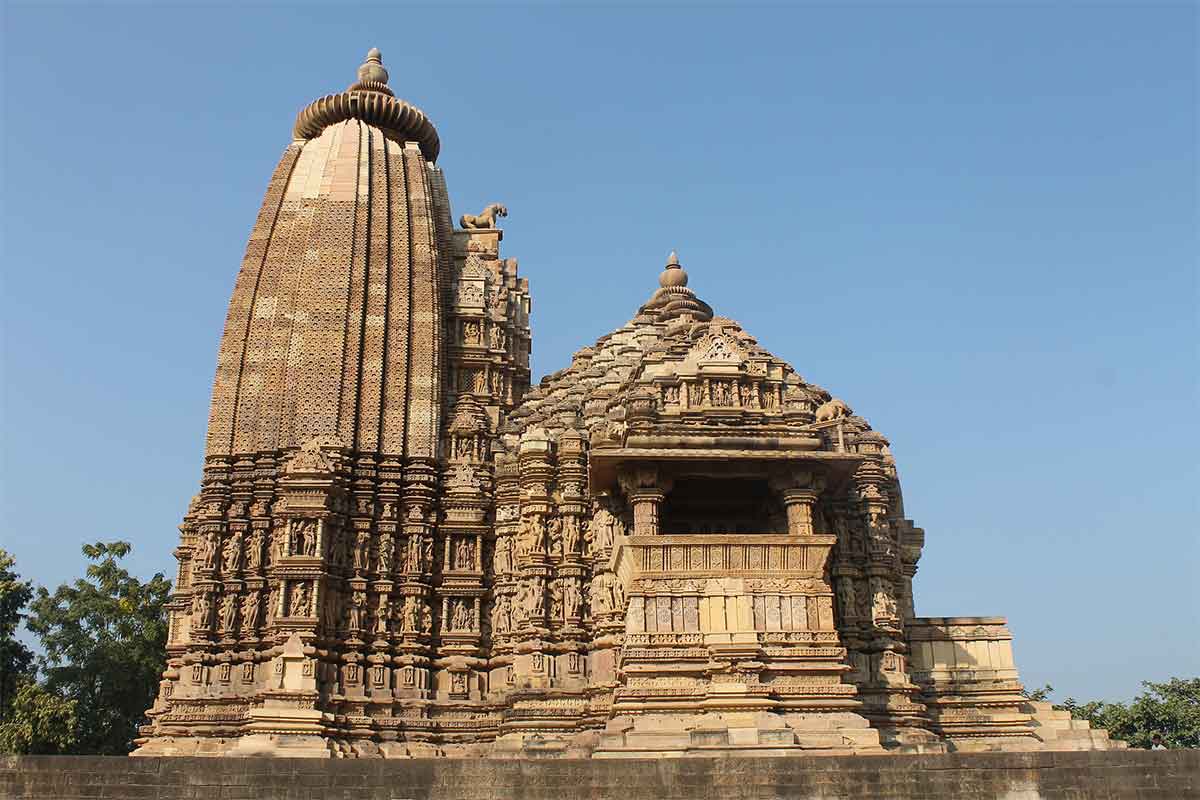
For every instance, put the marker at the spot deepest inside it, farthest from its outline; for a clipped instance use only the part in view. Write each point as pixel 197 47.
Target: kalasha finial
pixel 372 70
pixel 673 275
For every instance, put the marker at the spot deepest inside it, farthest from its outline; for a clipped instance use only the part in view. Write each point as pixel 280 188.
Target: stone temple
pixel 674 546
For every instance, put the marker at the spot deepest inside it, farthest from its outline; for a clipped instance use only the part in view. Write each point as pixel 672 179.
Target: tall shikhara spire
pixel 335 325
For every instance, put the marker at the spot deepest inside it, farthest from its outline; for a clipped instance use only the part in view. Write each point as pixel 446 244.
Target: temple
pixel 676 545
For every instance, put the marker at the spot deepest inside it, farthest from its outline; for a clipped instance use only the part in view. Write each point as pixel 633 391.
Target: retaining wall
pixel 1169 775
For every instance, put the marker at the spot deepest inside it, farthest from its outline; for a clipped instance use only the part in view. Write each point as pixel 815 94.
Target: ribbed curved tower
pixel 335 326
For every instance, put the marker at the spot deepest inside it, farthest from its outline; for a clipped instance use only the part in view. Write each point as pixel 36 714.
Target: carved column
pixel 412 678
pixel 504 617
pixel 645 488
pixel 799 489
pixel 536 481
pixel 572 570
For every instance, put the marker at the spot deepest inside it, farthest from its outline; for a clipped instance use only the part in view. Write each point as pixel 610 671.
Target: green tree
pixel 16 660
pixel 1040 694
pixel 1171 709
pixel 104 638
pixel 40 722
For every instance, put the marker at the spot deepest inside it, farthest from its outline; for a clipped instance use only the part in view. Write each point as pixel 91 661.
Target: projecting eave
pixel 734 455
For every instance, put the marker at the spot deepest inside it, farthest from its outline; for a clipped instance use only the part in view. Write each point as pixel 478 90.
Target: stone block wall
pixel 1113 775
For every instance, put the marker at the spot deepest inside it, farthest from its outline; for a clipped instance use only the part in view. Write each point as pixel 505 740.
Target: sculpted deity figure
pixel 571 598
pixel 461 618
pixel 750 395
pixel 616 593
pixel 382 613
pixel 211 549
pixel 845 591
pixel 426 552
pixel 570 534
pixel 496 337
pixel 603 528
pixel 601 597
pixel 502 557
pixel 358 606
pixel 272 605
pixel 464 554
pixel 277 545
pixel 301 600
pixel 768 397
pixel 410 618
pixel 532 535
pixel 254 550
pixel 362 540
pixel 426 619
pixel 883 605
pixel 386 549
pixel 200 553
pixel 233 552
pixel 537 591
pixel 501 615
pixel 554 529
pixel 229 609
pixel 202 611
pixel 303 539
pixel 251 610
pixel 412 554
pixel 556 602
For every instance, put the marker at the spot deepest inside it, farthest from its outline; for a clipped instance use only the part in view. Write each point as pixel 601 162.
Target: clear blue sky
pixel 977 225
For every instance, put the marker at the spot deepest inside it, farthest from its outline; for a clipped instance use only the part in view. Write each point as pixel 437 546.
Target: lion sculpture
pixel 485 221
pixel 832 410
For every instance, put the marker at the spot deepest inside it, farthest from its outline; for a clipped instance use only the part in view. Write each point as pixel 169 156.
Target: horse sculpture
pixel 485 221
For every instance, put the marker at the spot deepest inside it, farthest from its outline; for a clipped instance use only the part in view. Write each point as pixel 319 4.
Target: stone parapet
pixel 1142 774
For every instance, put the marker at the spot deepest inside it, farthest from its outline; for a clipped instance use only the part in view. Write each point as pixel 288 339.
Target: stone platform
pixel 1112 775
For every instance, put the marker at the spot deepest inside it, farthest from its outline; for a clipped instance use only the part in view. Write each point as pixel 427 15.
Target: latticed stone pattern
pixel 675 545
pixel 333 330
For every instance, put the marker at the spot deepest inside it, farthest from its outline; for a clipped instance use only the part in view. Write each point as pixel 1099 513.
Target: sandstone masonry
pixel 675 546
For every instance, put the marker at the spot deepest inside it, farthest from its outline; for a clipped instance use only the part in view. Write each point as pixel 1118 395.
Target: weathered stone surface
pixel 674 546
pixel 1170 775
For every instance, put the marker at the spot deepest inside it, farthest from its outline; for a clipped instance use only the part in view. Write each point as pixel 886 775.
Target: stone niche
pixel 730 637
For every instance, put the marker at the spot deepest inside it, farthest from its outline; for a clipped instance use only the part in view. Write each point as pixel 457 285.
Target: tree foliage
pixel 104 638
pixel 40 722
pixel 1171 709
pixel 16 660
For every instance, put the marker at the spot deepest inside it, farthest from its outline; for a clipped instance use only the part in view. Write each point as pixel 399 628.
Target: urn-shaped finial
pixel 372 70
pixel 673 275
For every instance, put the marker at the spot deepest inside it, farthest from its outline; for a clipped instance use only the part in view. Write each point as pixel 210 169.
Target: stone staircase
pixel 1057 730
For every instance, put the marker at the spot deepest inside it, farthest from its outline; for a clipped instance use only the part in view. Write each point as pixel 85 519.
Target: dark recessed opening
pixel 721 505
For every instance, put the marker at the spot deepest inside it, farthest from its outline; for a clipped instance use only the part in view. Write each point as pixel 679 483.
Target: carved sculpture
pixel 251 610
pixel 355 610
pixel 386 548
pixel 233 553
pixel 382 616
pixel 831 410
pixel 229 609
pixel 486 220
